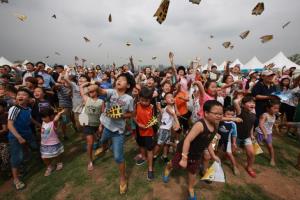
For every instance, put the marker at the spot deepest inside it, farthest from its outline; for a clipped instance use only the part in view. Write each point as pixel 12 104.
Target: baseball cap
pixel 267 73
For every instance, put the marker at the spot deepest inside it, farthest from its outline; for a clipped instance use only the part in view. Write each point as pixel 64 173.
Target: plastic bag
pixel 214 173
pixel 257 149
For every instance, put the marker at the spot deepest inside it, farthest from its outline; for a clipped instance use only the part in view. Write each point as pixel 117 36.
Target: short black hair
pixel 130 81
pixel 30 63
pixel 214 66
pixel 146 93
pixel 46 112
pixel 273 102
pixel 209 104
pixel 24 89
pixel 181 68
pixel 168 94
pixel 247 99
pixel 229 108
pixel 40 63
pixel 39 76
pixel 85 76
pixel 59 66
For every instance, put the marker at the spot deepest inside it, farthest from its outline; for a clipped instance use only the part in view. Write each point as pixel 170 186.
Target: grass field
pixel 74 182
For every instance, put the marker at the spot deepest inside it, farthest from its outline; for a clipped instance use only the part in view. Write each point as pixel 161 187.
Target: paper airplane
pixel 86 39
pixel 128 44
pixel 286 24
pixel 258 9
pixel 54 16
pixel 141 39
pixel 244 34
pixel 154 57
pixel 266 38
pixel 21 17
pixel 109 18
pixel 195 1
pixel 226 44
pixel 162 11
pixel 57 53
pixel 100 45
pixel 3 1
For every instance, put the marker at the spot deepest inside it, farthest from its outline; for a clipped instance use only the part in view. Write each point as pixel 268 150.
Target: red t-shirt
pixel 143 116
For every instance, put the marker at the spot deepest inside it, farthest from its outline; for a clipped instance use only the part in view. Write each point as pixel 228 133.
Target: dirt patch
pixel 63 193
pixel 7 186
pixel 175 189
pixel 97 174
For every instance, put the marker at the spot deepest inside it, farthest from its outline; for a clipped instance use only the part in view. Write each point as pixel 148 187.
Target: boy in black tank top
pixel 190 150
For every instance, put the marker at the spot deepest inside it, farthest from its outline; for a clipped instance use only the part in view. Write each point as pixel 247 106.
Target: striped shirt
pixel 21 118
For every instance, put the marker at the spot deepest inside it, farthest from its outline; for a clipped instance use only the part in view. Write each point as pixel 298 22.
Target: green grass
pixel 103 182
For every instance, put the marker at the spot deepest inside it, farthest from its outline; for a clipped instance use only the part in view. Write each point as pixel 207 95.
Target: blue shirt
pixel 22 120
pixel 47 79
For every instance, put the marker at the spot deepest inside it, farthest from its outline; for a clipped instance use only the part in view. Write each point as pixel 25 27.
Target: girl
pixel 264 130
pixel 229 86
pixel 93 108
pixel 51 147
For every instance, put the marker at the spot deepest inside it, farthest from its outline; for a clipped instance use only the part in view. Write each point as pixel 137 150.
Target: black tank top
pixel 199 144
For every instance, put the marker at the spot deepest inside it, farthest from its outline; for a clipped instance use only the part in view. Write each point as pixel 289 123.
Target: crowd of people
pixel 174 115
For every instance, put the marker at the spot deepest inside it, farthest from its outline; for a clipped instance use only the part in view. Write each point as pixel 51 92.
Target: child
pixel 143 114
pixel 190 150
pixel 266 122
pixel 39 104
pixel 65 102
pixel 19 120
pixel 93 108
pixel 114 128
pixel 245 131
pixel 51 147
pixel 169 117
pixel 228 132
pixel 4 151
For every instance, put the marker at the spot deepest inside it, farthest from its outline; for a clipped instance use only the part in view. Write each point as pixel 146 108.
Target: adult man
pixel 48 80
pixel 30 72
pixel 262 91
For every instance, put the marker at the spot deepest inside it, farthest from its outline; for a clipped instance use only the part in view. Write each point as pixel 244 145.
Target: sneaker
pixel 165 176
pixel 150 176
pixel 140 162
pixel 192 198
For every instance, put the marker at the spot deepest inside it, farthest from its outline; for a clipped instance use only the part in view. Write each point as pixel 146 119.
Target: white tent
pixel 4 61
pixel 280 60
pixel 222 66
pixel 237 62
pixel 254 63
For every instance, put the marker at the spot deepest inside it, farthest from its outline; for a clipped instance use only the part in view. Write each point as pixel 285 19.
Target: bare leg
pixel 150 160
pixel 272 154
pixel 122 170
pixel 206 159
pixel 250 157
pixel 90 142
pixel 191 184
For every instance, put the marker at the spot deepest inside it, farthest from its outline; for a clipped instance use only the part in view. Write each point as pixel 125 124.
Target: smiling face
pixel 169 99
pixel 215 114
pixel 249 106
pixel 22 98
pixel 38 93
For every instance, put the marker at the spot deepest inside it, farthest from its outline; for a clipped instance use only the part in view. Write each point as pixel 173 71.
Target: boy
pixel 228 132
pixel 190 150
pixel 245 131
pixel 19 120
pixel 143 114
pixel 114 128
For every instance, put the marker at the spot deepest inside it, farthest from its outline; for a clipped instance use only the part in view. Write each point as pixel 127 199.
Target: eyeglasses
pixel 217 114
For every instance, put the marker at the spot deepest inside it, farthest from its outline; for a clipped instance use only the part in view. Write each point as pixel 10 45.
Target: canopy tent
pixel 237 62
pixel 253 64
pixel 280 60
pixel 4 61
pixel 222 66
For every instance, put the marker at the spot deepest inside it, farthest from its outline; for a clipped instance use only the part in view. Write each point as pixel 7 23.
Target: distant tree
pixel 295 58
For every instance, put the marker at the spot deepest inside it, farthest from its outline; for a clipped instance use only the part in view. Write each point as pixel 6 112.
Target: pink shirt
pixel 202 101
pixel 184 84
pixel 48 134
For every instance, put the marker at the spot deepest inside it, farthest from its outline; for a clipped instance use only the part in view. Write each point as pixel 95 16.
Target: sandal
pixel 19 185
pixel 48 171
pixel 251 173
pixel 123 188
pixel 90 166
pixel 59 166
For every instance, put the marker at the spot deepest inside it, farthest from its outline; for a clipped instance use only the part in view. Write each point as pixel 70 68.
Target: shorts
pixel 192 165
pixel 147 142
pixel 117 143
pixel 16 150
pixel 51 151
pixel 260 138
pixel 164 136
pixel 66 116
pixel 90 130
pixel 243 142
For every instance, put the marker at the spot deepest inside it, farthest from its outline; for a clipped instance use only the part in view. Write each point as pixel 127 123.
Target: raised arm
pixel 82 93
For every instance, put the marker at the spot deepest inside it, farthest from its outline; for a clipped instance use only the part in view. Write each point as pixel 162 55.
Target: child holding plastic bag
pixel 190 150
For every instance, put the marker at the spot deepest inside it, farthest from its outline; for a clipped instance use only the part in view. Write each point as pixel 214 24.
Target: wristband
pixel 184 156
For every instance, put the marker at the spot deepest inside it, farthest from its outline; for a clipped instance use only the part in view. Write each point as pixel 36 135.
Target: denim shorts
pixel 243 142
pixel 16 150
pixel 117 143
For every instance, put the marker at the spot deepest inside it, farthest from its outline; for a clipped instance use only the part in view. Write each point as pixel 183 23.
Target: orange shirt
pixel 143 116
pixel 180 103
